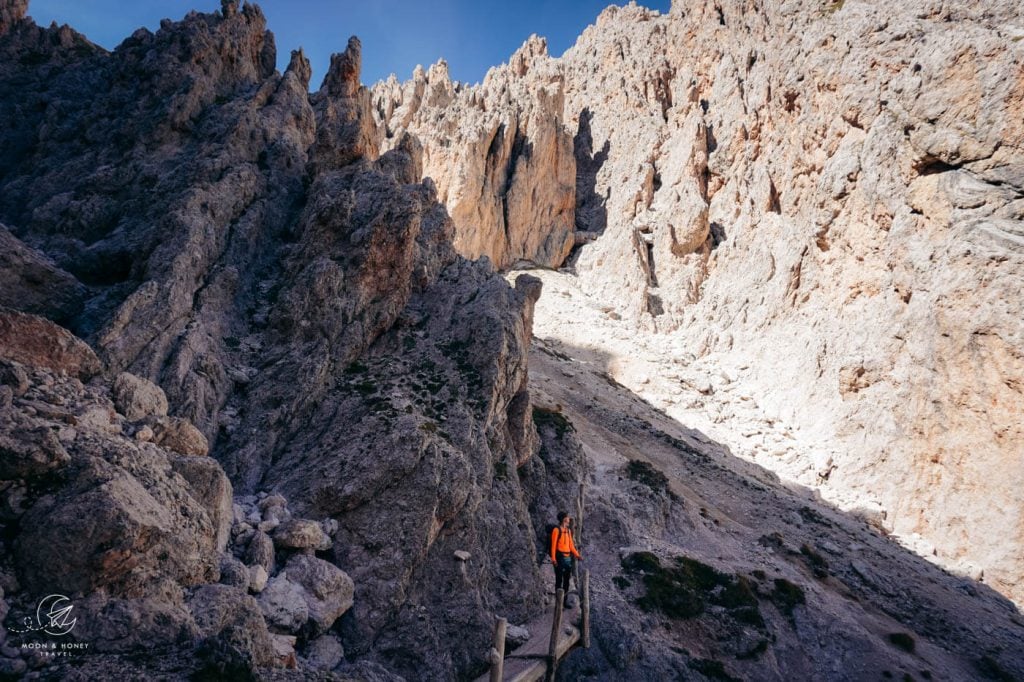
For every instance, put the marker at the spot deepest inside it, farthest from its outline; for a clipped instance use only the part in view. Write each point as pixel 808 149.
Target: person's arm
pixel 554 542
pixel 572 546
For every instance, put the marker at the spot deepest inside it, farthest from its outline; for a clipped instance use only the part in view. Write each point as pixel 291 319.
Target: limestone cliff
pixel 823 200
pixel 499 154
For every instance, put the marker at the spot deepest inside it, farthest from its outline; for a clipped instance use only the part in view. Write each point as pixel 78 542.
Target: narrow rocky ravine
pixel 292 377
pixel 823 200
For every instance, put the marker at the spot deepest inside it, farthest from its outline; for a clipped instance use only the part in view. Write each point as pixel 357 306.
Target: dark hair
pixel 561 516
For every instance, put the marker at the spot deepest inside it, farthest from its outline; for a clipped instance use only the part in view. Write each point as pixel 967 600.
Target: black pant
pixel 563 569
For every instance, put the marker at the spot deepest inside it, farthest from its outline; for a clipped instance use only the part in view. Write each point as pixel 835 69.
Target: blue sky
pixel 396 34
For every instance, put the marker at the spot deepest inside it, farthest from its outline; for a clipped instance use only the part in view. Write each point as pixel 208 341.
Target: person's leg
pixel 562 572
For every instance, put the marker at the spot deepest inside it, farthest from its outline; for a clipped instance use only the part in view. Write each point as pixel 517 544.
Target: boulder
pixel 181 436
pixel 126 523
pixel 324 652
pixel 234 573
pixel 307 596
pixel 516 636
pixel 211 488
pixel 235 639
pixel 37 342
pixel 260 551
pixel 327 589
pixel 112 624
pixel 12 374
pixel 257 579
pixel 137 398
pixel 283 604
pixel 283 649
pixel 301 534
pixel 28 449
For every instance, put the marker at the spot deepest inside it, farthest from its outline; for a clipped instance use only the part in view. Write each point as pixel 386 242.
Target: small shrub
pixel 683 590
pixel 366 388
pixel 812 516
pixel 753 652
pixel 817 562
pixel 990 668
pixel 621 582
pixel 713 670
pixel 551 419
pixel 787 596
pixel 646 562
pixel 775 540
pixel 646 473
pixel 356 368
pixel 903 641
pixel 501 470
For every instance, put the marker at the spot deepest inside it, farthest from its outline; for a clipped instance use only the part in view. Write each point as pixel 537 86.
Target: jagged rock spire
pixel 11 12
pixel 342 79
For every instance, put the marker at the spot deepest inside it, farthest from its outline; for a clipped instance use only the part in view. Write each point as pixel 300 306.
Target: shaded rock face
pixel 92 508
pixel 259 284
pixel 830 196
pixel 29 281
pixel 36 342
pixel 498 153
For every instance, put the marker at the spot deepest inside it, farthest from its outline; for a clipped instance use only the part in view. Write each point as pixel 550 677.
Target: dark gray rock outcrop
pixel 259 284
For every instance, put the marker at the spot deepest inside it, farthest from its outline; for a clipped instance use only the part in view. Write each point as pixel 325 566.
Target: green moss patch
pixel 902 640
pixel 553 420
pixel 787 596
pixel 647 474
pixel 684 587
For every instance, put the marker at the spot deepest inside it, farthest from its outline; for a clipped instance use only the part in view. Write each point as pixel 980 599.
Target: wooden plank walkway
pixel 528 663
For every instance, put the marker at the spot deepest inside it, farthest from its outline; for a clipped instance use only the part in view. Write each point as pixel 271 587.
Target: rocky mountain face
pixel 704 566
pixel 287 300
pixel 821 201
pixel 265 410
pixel 499 154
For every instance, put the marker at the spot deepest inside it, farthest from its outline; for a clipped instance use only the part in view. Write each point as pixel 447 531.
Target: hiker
pixel 563 551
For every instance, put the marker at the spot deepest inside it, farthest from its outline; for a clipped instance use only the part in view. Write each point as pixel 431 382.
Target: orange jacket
pixel 561 541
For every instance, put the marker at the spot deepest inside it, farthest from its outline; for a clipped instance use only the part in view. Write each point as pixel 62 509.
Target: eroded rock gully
pixel 263 416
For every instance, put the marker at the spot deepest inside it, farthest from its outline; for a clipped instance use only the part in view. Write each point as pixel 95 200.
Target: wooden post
pixel 579 514
pixel 556 632
pixel 498 652
pixel 578 534
pixel 585 606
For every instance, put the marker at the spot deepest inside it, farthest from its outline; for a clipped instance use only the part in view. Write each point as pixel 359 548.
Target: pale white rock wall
pixel 833 197
pixel 823 198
